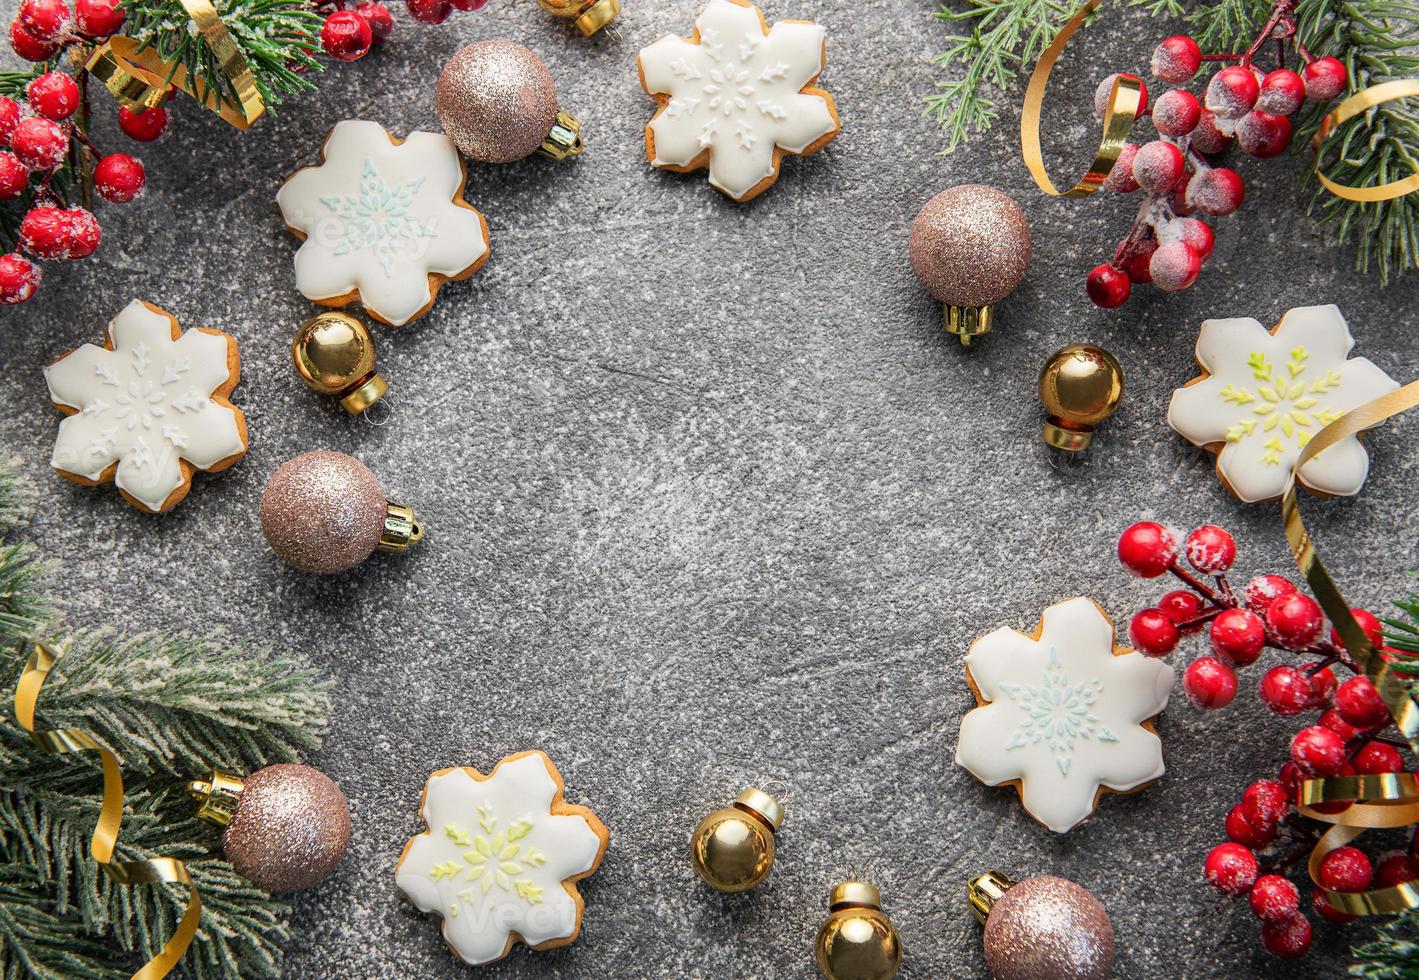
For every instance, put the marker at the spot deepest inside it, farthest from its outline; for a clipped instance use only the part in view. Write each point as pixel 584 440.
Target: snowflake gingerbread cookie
pixel 736 96
pixel 382 221
pixel 501 857
pixel 1264 394
pixel 1063 714
pixel 148 408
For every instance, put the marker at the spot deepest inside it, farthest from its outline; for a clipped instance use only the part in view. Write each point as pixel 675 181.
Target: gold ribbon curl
pixel 159 869
pixel 1377 802
pixel 1124 103
pixel 1364 101
pixel 139 78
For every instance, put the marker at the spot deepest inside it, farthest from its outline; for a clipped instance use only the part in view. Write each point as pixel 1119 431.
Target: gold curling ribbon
pixel 1377 802
pixel 158 869
pixel 1364 101
pixel 1125 101
pixel 140 79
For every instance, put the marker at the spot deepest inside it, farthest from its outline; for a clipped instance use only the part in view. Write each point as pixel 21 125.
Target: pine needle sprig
pixel 40 938
pixel 1394 952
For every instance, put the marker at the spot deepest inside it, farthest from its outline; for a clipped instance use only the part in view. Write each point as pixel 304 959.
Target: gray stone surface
pixel 712 499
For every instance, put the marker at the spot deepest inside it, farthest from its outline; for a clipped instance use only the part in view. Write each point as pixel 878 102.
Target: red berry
pixel 98 18
pixel 1265 802
pixel 1318 751
pixel 1345 869
pixel 1209 683
pixel 430 11
pixel 84 233
pixel 1325 79
pixel 1232 91
pixel 1332 720
pixel 1265 589
pixel 1322 687
pixel 1396 869
pixel 1286 690
pixel 1295 619
pixel 1176 113
pixel 1360 704
pixel 119 178
pixel 46 20
pixel 1291 778
pixel 1181 606
pixel 10 116
pixel 1206 137
pixel 1120 178
pixel 1289 938
pixel 19 278
pixel 1274 899
pixel 1153 632
pixel 1263 135
pixel 1216 191
pixel 53 95
pixel 1147 549
pixel 1241 830
pixel 1376 759
pixel 39 143
pixel 1157 166
pixel 1281 92
pixel 1210 549
pixel 28 46
pixel 1175 59
pixel 1136 263
pixel 1101 94
pixel 468 4
pixel 1108 287
pixel 14 178
pixel 145 125
pixel 379 19
pixel 1174 267
pixel 1368 622
pixel 1231 869
pixel 1327 911
pixel 1238 637
pixel 1197 235
pixel 45 233
pixel 345 36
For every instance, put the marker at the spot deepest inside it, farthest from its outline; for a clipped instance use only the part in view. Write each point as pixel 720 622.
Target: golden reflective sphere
pixel 732 850
pixel 1081 385
pixel 333 352
pixel 591 15
pixel 859 944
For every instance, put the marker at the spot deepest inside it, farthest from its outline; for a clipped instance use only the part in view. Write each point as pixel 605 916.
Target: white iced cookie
pixel 382 221
pixel 1263 395
pixel 501 858
pixel 1064 714
pixel 737 96
pixel 148 408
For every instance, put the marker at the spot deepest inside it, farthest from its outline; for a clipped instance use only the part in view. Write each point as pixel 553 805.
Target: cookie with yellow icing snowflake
pixel 501 857
pixel 1264 394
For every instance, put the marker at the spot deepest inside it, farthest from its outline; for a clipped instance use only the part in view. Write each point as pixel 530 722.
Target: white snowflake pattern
pixel 739 94
pixel 378 218
pixel 1063 715
pixel 146 402
pixel 1267 393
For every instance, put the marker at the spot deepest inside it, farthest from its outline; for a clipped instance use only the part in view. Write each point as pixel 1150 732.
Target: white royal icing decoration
pixel 380 218
pixel 1268 394
pixel 146 404
pixel 494 858
pixel 736 94
pixel 1064 715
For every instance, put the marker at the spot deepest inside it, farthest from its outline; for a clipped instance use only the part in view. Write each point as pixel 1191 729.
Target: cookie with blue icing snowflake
pixel 382 221
pixel 1063 714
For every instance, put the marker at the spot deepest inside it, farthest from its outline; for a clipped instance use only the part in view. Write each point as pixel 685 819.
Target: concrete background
pixel 711 499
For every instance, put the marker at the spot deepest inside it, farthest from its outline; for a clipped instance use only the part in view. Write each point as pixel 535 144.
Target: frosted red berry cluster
pixel 1267 836
pixel 350 30
pixel 1183 184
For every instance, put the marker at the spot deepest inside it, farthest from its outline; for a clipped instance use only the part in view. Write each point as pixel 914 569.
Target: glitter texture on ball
pixel 323 512
pixel 290 830
pixel 1048 928
pixel 970 245
pixel 496 101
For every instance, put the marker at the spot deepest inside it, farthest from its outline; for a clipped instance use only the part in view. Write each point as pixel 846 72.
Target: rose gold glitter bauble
pixel 496 101
pixel 970 245
pixel 290 830
pixel 323 512
pixel 1048 928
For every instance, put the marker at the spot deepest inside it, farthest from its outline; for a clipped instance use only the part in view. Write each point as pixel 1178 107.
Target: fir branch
pixel 1394 952
pixel 40 937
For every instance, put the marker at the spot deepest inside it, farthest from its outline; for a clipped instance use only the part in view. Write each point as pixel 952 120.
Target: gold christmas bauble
pixel 858 942
pixel 733 849
pixel 591 15
pixel 1080 386
pixel 334 355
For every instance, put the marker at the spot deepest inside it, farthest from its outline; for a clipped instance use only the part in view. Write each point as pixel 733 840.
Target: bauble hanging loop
pixel 970 247
pixel 1042 928
pixel 858 941
pixel 496 100
pixel 325 512
pixel 590 15
pixel 733 849
pixel 286 826
pixel 334 354
pixel 1080 386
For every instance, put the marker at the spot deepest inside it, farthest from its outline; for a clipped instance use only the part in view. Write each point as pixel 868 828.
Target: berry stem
pixel 1198 586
